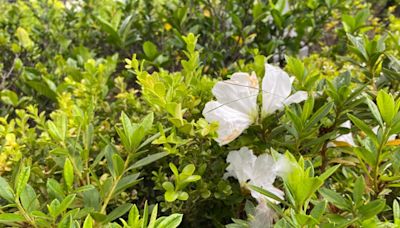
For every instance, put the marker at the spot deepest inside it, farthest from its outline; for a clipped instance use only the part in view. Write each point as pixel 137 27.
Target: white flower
pixel 236 106
pixel 346 139
pixel 277 86
pixel 263 216
pixel 259 171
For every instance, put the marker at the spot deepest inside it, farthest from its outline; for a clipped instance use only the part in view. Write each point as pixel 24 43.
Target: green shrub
pixel 199 113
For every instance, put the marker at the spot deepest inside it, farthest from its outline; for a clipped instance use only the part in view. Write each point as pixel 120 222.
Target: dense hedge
pixel 200 113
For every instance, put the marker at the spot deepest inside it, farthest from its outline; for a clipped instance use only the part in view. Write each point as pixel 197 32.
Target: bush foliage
pixel 131 113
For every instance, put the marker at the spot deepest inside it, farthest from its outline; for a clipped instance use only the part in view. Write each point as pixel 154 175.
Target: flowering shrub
pixel 199 113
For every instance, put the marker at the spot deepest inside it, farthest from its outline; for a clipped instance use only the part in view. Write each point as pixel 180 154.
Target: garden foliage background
pixel 101 112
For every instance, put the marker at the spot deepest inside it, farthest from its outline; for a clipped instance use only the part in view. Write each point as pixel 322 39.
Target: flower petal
pixel 240 164
pixel 345 140
pixel 283 166
pixel 298 97
pixel 239 93
pixel 276 87
pixel 231 122
pixel 263 173
pixel 263 216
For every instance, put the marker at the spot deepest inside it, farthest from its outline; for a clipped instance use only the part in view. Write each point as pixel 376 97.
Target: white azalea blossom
pixel 235 108
pixel 277 86
pixel 259 171
pixel 263 216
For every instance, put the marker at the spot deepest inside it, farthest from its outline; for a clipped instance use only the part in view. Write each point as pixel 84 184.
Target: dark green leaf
pixel 335 198
pixel 372 208
pixel 147 160
pixel 319 114
pixel 118 212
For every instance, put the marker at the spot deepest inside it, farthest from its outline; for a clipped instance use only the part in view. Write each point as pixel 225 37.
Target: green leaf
pixel 171 221
pixel 84 188
pixel 22 180
pixel 68 173
pixel 328 172
pixel 23 37
pixel 368 156
pixel 91 199
pixel 110 30
pixel 137 137
pixel 88 137
pixel 364 127
pixel 374 110
pixel 372 208
pixel 189 169
pixel 319 114
pixel 358 190
pixel 348 23
pixel 145 215
pixel 153 217
pixel 335 198
pixel 296 120
pixel 128 131
pixel 147 160
pixel 396 212
pixel 124 139
pixel 308 187
pixel 307 108
pixel 133 217
pixel 7 218
pixel 318 210
pixel 151 139
pixel 361 17
pixel 147 122
pixel 303 220
pixel 126 182
pixel 118 164
pixel 6 191
pixel 64 205
pixel 88 222
pixel 98 217
pixel 29 199
pixel 171 196
pixel 168 186
pixel 267 194
pixel 386 106
pixel 174 169
pixel 42 88
pixel 9 97
pixel 150 50
pixel 192 178
pixel 55 189
pixel 118 212
pixel 277 18
pixel 183 196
